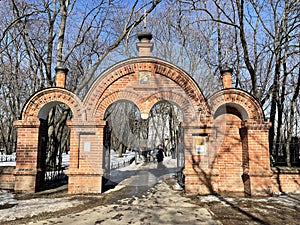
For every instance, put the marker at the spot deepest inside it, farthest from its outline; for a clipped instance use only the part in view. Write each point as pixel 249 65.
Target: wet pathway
pixel 143 198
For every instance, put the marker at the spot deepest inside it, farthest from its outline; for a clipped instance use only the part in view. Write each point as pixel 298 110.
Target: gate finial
pixel 61 74
pixel 226 75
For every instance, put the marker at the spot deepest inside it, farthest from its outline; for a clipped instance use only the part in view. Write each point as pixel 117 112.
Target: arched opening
pixel 232 108
pixel 120 141
pixel 131 143
pixel 228 146
pixel 53 145
pixel 165 128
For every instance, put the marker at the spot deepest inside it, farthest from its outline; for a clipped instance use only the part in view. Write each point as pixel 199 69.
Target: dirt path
pixel 159 205
pixel 147 196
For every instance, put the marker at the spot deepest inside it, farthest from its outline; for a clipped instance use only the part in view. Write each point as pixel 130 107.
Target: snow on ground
pixel 32 207
pixel 8 163
pixel 11 208
pixel 149 169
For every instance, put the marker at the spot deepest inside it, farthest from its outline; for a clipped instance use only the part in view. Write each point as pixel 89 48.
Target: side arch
pixel 31 154
pixel 241 142
pixel 41 102
pixel 244 104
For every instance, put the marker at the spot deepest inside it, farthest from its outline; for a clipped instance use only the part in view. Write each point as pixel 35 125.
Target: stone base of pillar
pixel 25 181
pixel 261 185
pixel 84 183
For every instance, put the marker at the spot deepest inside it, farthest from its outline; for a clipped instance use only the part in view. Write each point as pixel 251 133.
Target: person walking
pixel 160 157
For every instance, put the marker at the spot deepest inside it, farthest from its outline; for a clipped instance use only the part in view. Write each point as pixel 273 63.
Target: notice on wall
pixel 87 146
pixel 199 144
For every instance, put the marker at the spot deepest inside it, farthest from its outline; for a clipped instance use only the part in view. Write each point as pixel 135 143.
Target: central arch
pixel 166 82
pixel 145 82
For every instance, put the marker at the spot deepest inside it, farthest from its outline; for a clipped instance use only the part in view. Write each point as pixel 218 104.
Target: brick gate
pixel 225 136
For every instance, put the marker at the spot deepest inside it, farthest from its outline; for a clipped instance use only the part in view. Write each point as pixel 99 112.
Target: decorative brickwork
pixel 245 103
pixel 122 80
pixel 41 102
pixel 230 126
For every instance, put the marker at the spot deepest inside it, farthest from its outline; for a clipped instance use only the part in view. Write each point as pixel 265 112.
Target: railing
pixel 8 158
pixel 280 158
pixel 121 163
pixel 55 175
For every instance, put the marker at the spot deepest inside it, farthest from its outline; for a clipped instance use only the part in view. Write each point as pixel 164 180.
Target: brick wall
pixel 229 154
pixel 7 178
pixel 86 154
pixel 27 155
pixel 285 179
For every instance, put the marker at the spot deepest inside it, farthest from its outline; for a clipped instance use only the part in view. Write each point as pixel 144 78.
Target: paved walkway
pixel 159 205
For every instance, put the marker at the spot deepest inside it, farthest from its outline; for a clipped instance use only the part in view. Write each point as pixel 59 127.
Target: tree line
pixel 260 40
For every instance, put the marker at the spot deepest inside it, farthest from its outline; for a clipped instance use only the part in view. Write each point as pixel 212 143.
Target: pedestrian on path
pixel 160 157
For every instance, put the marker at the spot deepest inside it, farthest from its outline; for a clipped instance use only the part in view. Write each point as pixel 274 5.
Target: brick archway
pixel 243 102
pixel 146 81
pixel 32 133
pixel 122 81
pixel 241 143
pixel 166 83
pixel 145 104
pixel 41 102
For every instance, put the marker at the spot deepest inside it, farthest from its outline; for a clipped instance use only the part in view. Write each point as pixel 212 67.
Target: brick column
pixel 27 155
pixel 144 47
pixel 258 168
pixel 226 75
pixel 86 154
pixel 198 177
pixel 61 75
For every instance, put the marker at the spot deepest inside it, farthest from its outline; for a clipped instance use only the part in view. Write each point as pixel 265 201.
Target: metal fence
pixel 55 175
pixel 279 157
pixel 8 158
pixel 122 163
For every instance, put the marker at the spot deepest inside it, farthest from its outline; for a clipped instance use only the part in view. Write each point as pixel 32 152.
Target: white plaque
pixel 87 146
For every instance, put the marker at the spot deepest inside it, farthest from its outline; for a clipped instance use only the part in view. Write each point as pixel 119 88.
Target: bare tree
pixel 267 34
pixel 47 37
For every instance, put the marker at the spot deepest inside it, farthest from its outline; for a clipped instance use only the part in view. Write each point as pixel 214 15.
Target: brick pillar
pixel 198 176
pixel 86 154
pixel 258 169
pixel 27 155
pixel 226 75
pixel 245 162
pixel 61 74
pixel 144 47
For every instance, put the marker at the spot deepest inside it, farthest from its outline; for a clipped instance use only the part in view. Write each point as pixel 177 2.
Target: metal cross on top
pixel 145 19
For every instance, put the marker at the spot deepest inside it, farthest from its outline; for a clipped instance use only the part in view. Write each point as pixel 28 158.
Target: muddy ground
pixel 278 210
pixel 150 189
pixel 281 210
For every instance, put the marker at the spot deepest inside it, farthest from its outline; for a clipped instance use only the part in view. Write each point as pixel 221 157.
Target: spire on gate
pixel 144 46
pixel 61 75
pixel 226 75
